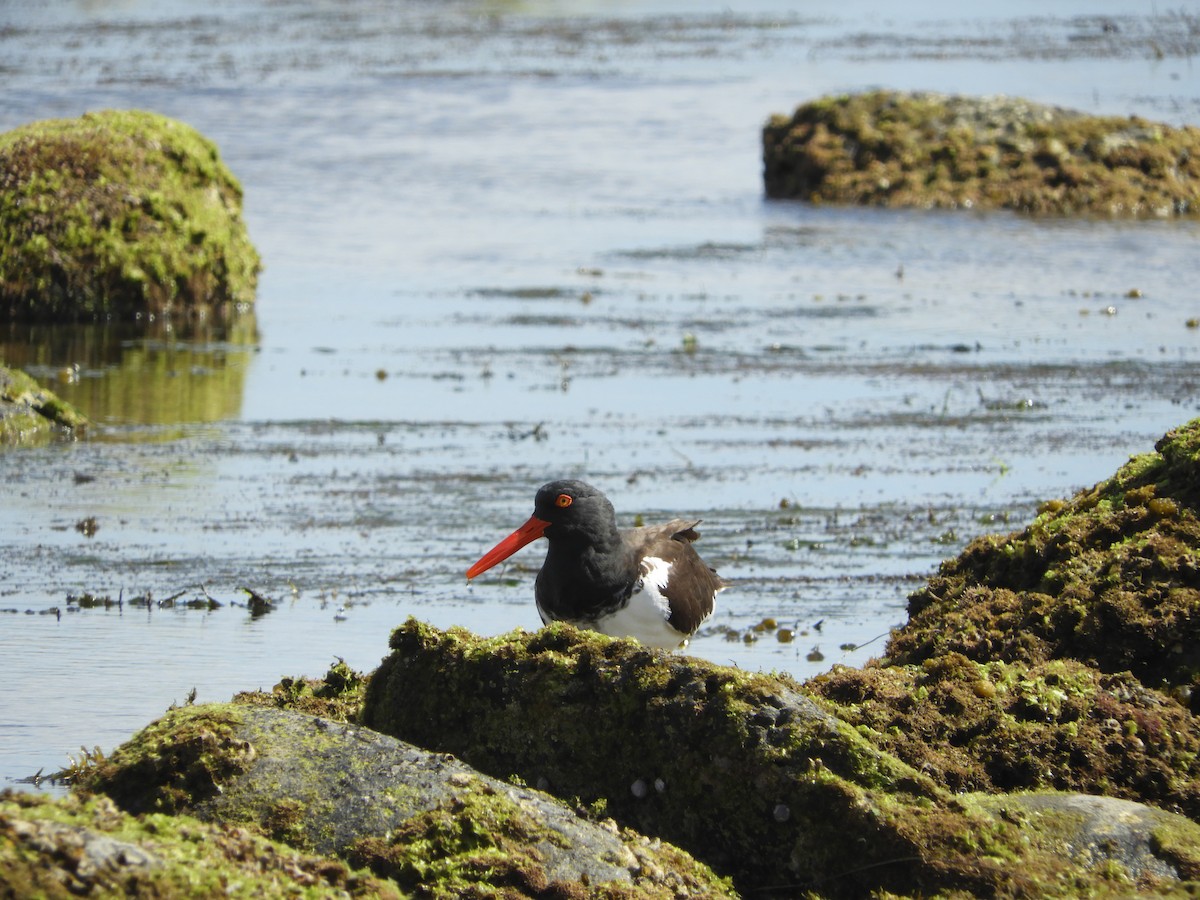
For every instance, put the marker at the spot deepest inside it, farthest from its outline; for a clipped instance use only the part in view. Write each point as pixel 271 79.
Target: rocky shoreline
pixel 1019 738
pixel 30 413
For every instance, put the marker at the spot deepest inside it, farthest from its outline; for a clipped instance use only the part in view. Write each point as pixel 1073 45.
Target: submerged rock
pixel 423 820
pixel 745 771
pixel 925 150
pixel 30 413
pixel 118 214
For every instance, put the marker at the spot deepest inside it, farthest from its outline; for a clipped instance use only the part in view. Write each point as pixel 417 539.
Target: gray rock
pixel 83 855
pixel 407 814
pixel 1098 829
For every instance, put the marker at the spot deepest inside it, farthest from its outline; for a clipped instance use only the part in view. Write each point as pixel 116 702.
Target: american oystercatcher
pixel 645 583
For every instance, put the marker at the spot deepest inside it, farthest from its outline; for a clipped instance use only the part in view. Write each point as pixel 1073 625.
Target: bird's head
pixel 572 506
pixel 560 509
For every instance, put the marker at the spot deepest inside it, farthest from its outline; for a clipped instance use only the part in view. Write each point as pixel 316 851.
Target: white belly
pixel 643 619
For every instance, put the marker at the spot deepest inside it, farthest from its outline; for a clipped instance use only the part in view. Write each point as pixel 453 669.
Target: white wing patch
pixel 645 616
pixel 655 573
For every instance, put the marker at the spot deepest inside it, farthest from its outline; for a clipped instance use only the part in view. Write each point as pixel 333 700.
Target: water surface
pixel 506 242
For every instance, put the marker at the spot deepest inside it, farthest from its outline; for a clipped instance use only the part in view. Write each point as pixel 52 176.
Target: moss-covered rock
pixel 29 413
pixel 743 770
pixel 1110 577
pixel 422 820
pixel 933 150
pixel 118 214
pixel 1065 655
pixel 999 727
pixel 60 849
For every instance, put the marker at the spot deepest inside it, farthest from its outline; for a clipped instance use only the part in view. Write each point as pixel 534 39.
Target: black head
pixel 573 506
pixel 570 514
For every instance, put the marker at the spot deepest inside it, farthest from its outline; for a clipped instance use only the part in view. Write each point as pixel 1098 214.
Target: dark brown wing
pixel 693 584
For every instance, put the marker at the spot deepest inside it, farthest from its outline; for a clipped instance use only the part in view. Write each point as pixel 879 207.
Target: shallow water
pixel 511 241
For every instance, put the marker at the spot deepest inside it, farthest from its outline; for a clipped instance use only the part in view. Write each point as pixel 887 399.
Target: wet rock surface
pixel 922 150
pixel 119 214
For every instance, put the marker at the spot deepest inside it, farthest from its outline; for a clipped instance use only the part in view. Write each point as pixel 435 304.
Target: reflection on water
pixel 156 373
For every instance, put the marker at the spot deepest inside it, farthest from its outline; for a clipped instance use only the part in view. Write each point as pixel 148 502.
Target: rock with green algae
pixel 119 214
pixel 1065 655
pixel 744 770
pixel 1110 577
pixel 29 413
pixel 924 150
pixel 998 727
pixel 58 849
pixel 422 820
pixel 1138 841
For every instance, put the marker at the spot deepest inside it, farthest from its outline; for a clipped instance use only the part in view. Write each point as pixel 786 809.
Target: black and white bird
pixel 646 583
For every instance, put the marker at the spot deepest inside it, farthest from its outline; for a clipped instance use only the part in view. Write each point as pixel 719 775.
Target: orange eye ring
pixel 562 501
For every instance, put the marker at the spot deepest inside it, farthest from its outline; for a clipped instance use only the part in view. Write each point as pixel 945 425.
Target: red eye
pixel 563 500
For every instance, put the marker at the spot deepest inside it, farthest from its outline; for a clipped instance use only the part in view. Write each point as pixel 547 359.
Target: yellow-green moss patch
pixel 73 847
pixel 30 413
pixel 118 214
pixel 175 763
pixel 337 696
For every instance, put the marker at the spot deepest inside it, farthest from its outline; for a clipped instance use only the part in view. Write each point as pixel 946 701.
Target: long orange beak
pixel 526 534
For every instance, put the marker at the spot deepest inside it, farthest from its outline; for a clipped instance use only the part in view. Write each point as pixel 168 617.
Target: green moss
pixel 65 848
pixel 173 764
pixel 29 412
pixel 337 696
pixel 1066 655
pixel 479 839
pixel 118 214
pixel 482 843
pixel 922 150
pixel 1110 577
pixel 1001 727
